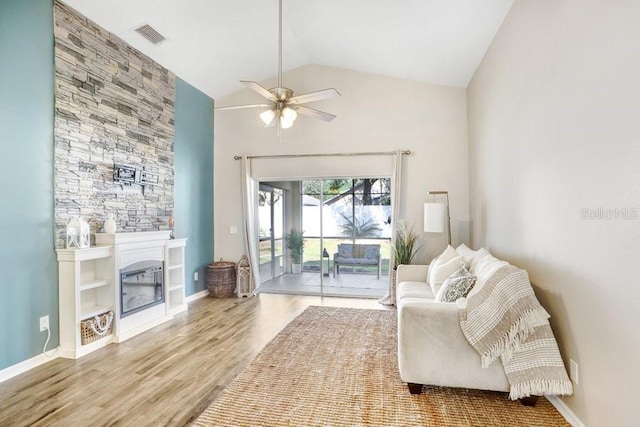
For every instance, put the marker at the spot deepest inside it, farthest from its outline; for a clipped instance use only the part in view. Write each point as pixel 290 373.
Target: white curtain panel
pixel 249 197
pixel 396 191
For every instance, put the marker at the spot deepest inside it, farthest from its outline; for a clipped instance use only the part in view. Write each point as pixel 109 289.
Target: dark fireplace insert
pixel 141 286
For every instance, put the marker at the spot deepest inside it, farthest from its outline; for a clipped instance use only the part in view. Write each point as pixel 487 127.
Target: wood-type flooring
pixel 163 377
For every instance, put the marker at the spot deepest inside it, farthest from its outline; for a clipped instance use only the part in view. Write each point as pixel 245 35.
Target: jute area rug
pixel 338 367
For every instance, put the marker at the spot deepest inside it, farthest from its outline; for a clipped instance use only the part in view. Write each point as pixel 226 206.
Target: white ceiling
pixel 213 44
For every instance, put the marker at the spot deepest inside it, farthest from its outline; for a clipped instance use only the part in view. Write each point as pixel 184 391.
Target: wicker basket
pixel 97 327
pixel 221 278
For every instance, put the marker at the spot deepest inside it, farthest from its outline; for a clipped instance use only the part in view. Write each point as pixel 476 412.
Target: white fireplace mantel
pixel 90 284
pixel 143 237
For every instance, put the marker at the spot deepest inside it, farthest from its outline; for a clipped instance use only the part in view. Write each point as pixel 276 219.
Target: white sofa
pixel 431 347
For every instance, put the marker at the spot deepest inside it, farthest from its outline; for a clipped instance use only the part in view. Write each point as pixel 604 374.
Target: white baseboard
pixel 197 296
pixel 24 366
pixel 564 410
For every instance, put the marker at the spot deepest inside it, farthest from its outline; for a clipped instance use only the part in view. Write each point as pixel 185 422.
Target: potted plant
pixel 405 247
pixel 295 243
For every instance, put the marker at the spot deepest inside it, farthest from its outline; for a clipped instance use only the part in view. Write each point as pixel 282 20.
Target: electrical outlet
pixel 573 371
pixel 195 276
pixel 44 323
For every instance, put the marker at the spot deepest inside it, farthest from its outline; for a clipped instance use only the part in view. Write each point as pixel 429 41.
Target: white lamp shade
pixel 284 123
pixel 267 116
pixel 434 217
pixel 289 114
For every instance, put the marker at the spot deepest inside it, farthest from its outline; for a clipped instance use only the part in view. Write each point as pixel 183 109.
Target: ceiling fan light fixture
pixel 281 114
pixel 289 114
pixel 284 123
pixel 267 116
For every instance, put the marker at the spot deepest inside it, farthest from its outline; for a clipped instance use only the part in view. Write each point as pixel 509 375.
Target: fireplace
pixel 141 286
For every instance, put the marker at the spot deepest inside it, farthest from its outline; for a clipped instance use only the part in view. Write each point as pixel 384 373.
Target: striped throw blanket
pixel 504 319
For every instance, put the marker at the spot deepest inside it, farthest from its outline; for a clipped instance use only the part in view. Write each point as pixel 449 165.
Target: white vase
pixel 110 225
pixel 296 268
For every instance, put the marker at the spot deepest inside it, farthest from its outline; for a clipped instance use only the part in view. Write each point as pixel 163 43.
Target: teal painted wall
pixel 193 191
pixel 28 268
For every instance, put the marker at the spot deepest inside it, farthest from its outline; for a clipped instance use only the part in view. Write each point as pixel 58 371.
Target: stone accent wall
pixel 113 105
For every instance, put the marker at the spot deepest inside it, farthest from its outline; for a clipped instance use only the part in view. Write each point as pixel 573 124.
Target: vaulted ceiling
pixel 213 44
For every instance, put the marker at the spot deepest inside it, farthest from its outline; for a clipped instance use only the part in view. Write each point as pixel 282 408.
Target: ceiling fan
pixel 284 105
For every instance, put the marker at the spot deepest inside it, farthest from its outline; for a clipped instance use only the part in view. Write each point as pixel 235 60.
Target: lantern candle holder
pixel 243 276
pixel 78 233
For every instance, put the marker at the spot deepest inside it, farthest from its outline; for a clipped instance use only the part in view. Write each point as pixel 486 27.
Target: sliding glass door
pixel 353 213
pixel 271 220
pixel 335 214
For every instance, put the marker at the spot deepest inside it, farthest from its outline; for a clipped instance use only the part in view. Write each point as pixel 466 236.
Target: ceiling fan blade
pixel 316 114
pixel 237 107
pixel 262 91
pixel 315 96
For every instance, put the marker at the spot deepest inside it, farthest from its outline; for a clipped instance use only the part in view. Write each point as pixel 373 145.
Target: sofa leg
pixel 529 401
pixel 414 388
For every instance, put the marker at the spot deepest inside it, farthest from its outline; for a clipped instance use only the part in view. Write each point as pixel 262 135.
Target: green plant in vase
pixel 295 243
pixel 405 246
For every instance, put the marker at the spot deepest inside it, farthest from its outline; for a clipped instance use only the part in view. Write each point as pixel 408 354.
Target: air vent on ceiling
pixel 150 33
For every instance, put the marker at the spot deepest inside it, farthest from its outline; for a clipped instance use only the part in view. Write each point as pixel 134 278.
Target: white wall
pixel 375 113
pixel 554 128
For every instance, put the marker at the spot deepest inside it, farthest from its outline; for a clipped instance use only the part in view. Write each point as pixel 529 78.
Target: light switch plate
pixel 573 371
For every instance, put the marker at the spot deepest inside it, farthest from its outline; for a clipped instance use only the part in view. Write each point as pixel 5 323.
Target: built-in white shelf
pixel 89 285
pixel 91 310
pixel 85 290
pixel 94 284
pixel 175 276
pixel 176 287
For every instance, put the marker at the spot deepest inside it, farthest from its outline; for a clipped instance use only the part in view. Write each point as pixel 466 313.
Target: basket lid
pixel 222 264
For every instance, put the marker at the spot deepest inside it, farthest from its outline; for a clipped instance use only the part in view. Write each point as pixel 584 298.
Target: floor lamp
pixel 435 214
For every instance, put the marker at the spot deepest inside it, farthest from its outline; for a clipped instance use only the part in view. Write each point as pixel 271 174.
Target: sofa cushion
pixel 456 286
pixel 356 261
pixel 414 290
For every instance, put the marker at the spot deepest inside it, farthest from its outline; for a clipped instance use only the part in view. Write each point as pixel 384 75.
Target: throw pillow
pixel 372 251
pixel 480 255
pixel 465 252
pixel 485 269
pixel 446 256
pixel 444 270
pixel 456 286
pixel 345 251
pixel 432 266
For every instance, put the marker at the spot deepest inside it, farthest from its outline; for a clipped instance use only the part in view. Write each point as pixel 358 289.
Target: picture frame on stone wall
pixel 124 173
pixel 148 178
